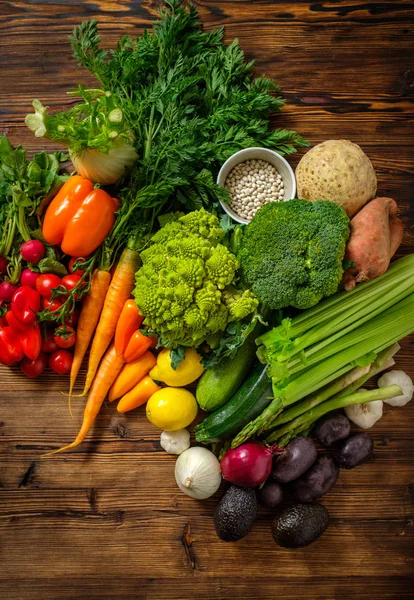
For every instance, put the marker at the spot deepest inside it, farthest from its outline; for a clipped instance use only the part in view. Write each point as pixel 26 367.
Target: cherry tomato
pixel 71 281
pixel 48 342
pixel 60 362
pixel 72 261
pixel 65 336
pixel 51 305
pixel 46 283
pixel 73 318
pixel 34 368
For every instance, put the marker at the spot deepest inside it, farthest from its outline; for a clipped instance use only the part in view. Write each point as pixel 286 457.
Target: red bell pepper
pixel 11 351
pixel 25 304
pixel 29 337
pixel 3 322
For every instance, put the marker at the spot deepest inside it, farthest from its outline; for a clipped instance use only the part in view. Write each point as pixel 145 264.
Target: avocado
pixel 235 513
pixel 300 525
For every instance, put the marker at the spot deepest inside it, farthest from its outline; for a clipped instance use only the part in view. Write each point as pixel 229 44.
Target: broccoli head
pixel 291 252
pixel 184 287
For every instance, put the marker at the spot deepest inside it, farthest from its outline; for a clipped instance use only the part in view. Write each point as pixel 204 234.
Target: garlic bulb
pixel 197 473
pixel 403 381
pixel 175 442
pixel 364 415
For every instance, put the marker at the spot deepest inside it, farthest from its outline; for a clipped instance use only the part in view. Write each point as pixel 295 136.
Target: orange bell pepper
pixel 137 345
pixel 79 217
pixel 131 374
pixel 129 321
pixel 139 394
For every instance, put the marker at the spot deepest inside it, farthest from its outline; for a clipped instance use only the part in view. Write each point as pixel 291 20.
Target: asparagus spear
pixel 292 429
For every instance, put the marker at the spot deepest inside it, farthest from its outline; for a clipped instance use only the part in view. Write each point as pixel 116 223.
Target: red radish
pixel 32 251
pixel 3 265
pixel 7 290
pixel 249 465
pixel 29 277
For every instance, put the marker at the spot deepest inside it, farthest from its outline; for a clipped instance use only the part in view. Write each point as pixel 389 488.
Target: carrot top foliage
pixel 183 98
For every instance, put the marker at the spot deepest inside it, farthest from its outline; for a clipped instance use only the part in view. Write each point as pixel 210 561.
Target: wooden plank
pixel 107 521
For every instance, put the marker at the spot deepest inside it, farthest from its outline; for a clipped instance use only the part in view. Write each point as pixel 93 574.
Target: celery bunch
pixel 319 346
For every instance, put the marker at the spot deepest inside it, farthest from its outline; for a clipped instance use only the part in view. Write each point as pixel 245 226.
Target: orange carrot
pixel 140 394
pixel 91 310
pixel 118 292
pixel 108 371
pixel 131 374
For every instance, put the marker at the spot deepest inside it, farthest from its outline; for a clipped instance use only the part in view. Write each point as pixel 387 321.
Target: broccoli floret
pixel 291 252
pixel 184 274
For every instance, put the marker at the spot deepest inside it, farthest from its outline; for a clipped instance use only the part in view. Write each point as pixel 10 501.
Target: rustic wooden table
pixel 107 520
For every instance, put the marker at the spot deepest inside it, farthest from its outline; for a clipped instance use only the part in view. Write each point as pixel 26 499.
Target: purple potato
pixel 270 495
pixel 317 480
pixel 355 450
pixel 332 428
pixel 296 458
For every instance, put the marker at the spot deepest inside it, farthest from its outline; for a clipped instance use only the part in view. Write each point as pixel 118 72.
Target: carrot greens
pixel 184 101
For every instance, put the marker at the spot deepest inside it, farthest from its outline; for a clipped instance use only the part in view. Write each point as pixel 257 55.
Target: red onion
pixel 249 465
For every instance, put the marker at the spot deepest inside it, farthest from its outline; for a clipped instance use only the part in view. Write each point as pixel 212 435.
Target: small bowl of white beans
pixel 253 177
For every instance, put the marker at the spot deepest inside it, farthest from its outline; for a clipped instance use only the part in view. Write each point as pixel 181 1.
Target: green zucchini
pixel 247 403
pixel 219 384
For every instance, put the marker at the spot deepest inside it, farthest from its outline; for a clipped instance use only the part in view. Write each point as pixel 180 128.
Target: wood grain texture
pixel 107 521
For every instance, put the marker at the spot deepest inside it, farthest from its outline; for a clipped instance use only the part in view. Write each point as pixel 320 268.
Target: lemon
pixel 172 408
pixel 189 369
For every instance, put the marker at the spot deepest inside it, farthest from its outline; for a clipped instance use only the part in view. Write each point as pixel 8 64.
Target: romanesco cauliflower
pixel 184 285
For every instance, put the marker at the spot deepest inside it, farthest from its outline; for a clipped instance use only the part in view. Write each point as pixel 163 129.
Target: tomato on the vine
pixel 72 261
pixel 71 281
pixel 65 336
pixel 60 362
pixel 34 368
pixel 73 317
pixel 48 342
pixel 46 283
pixel 51 305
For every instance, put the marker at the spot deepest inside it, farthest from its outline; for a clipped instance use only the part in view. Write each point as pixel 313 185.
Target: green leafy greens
pixel 24 185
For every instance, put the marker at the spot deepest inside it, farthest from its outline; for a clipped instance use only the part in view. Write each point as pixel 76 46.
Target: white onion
pixel 197 473
pixel 104 168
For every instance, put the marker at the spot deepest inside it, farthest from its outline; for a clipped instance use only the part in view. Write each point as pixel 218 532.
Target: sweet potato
pixel 376 233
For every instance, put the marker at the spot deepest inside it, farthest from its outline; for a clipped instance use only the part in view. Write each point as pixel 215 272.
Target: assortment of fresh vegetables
pixel 163 290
